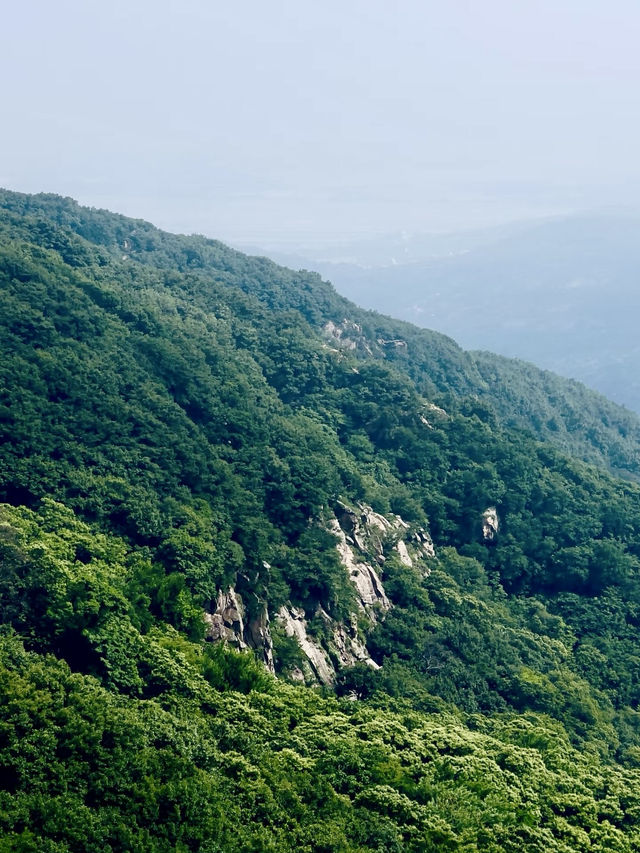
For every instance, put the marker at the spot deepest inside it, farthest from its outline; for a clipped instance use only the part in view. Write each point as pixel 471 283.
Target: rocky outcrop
pixel 294 623
pixel 365 540
pixel 258 636
pixel 403 551
pixel 348 648
pixel 434 412
pixel 347 335
pixel 423 542
pixel 490 525
pixel 366 537
pixel 344 647
pixel 228 623
pixel 363 528
pixel 363 576
pixel 394 343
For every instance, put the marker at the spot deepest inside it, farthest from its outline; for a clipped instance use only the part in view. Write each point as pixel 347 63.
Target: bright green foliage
pixel 88 769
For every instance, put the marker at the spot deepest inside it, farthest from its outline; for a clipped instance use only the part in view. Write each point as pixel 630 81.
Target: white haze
pixel 292 120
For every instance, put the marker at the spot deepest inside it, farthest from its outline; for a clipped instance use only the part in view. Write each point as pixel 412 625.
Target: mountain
pixel 429 613
pixel 385 250
pixel 561 293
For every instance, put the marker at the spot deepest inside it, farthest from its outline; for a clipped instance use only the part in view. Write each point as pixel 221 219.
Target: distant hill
pixel 563 294
pixel 386 250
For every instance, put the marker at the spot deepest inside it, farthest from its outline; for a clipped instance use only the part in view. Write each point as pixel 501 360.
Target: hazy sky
pixel 263 120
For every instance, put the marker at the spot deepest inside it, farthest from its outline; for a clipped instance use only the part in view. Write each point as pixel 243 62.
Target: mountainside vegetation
pixel 562 292
pixel 179 421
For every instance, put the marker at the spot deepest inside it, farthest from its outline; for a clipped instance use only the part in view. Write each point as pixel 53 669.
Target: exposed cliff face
pixel 348 335
pixel 365 540
pixel 371 594
pixel 341 647
pixel 348 648
pixel 366 537
pixel 319 666
pixel 227 623
pixel 430 410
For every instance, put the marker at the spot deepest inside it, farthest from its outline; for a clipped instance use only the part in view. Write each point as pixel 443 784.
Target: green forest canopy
pixel 175 418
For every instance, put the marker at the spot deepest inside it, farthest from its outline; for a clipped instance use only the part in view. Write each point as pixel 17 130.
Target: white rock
pixel 405 559
pixel 295 625
pixel 227 620
pixel 363 576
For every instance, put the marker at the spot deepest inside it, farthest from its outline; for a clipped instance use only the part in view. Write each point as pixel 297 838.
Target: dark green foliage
pixel 562 412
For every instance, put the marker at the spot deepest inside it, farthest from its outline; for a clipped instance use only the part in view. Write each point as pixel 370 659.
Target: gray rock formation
pixel 347 335
pixel 363 576
pixel 294 623
pixel 227 623
pixel 423 544
pixel 257 635
pixel 365 539
pixel 348 648
pixel 490 524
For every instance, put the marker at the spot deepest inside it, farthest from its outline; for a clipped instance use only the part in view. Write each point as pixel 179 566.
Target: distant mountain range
pixel 561 293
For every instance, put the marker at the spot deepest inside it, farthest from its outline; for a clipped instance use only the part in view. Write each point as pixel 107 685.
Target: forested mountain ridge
pixel 561 411
pixel 180 422
pixel 579 421
pixel 560 292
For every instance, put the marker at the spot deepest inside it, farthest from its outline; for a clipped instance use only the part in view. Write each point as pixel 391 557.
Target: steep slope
pixel 562 294
pixel 196 444
pixel 561 412
pixel 436 364
pixel 142 740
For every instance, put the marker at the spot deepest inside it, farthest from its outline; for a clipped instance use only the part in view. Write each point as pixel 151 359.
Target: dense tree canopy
pixel 177 418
